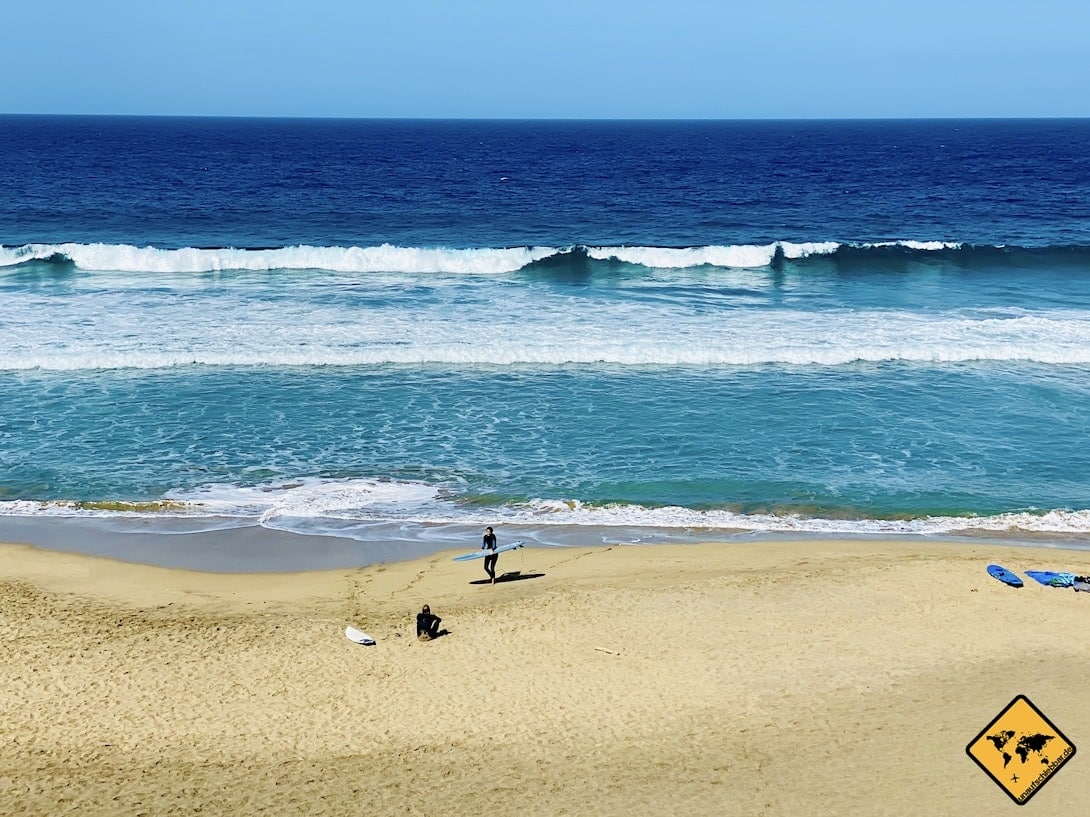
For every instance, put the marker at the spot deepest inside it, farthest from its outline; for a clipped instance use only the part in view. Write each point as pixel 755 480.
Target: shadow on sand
pixel 433 636
pixel 510 576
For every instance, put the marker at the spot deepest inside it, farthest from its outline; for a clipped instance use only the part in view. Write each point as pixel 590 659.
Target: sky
pixel 578 59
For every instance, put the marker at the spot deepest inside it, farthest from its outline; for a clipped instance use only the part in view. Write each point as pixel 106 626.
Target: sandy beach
pixel 771 678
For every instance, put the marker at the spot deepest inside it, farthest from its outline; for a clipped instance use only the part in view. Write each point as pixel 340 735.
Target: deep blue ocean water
pixel 578 331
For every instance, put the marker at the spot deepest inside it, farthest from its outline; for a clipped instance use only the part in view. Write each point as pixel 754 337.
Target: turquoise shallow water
pixel 584 333
pixel 863 448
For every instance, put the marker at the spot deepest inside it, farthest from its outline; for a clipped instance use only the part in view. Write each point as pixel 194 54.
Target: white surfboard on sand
pixel 359 636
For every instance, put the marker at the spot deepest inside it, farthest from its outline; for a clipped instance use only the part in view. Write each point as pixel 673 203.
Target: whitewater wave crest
pixel 384 258
pixel 387 258
pixel 743 256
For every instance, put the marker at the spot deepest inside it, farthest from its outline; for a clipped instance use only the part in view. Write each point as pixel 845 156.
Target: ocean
pixel 389 334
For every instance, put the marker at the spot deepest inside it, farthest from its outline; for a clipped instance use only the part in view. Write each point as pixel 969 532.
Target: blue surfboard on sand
pixel 1051 578
pixel 1004 575
pixel 480 554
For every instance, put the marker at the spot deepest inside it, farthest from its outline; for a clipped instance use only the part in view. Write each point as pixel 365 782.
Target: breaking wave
pixel 387 258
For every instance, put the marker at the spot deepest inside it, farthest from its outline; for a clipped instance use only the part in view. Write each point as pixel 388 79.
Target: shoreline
pixel 255 548
pixel 819 676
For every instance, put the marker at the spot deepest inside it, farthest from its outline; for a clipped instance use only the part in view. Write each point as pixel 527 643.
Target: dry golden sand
pixel 809 678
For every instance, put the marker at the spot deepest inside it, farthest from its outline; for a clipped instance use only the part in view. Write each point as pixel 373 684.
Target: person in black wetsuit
pixel 489 543
pixel 427 624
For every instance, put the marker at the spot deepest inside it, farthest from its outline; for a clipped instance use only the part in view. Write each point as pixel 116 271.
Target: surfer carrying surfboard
pixel 489 543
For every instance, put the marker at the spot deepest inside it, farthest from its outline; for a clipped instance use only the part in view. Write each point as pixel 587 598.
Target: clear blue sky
pixel 719 59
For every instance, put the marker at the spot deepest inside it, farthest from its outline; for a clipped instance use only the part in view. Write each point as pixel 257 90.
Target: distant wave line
pixel 388 258
pixel 527 355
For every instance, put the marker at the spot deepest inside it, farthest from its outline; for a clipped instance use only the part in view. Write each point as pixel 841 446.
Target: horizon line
pixel 307 117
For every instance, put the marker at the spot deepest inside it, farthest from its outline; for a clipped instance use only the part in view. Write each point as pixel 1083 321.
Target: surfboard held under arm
pixel 480 554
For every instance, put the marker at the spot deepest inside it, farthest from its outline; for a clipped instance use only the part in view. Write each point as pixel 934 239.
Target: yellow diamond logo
pixel 1020 749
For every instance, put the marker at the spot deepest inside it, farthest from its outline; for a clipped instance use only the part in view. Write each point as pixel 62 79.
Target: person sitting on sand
pixel 427 624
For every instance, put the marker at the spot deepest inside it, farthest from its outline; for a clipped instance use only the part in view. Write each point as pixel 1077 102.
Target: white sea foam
pixel 739 256
pixel 177 333
pixel 415 260
pixel 922 246
pixel 575 513
pixel 751 318
pixel 808 249
pixel 350 499
pixel 348 507
pixel 384 258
